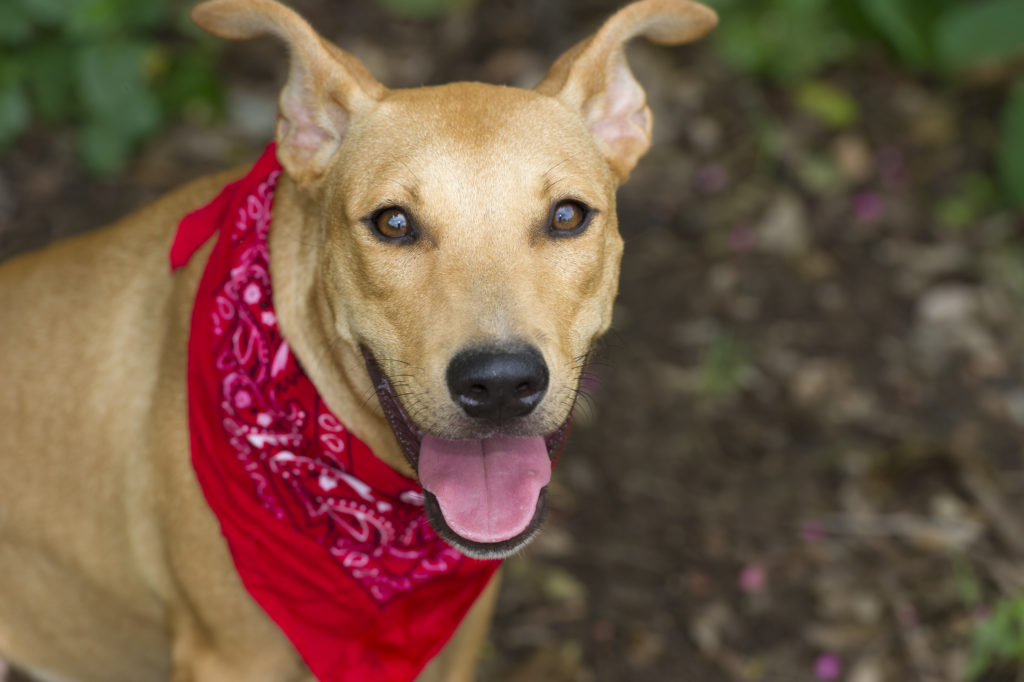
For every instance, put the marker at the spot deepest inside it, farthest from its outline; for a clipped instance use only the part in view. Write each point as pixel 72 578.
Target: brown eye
pixel 569 218
pixel 392 224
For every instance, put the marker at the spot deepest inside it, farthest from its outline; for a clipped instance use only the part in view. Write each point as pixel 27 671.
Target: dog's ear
pixel 594 78
pixel 326 86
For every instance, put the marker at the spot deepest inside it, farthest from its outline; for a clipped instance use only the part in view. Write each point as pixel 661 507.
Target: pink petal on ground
pixel 828 667
pixel 868 206
pixel 813 531
pixel 742 239
pixel 907 616
pixel 712 178
pixel 891 168
pixel 753 578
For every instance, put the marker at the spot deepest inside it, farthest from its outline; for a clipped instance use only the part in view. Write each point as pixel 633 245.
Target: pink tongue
pixel 487 489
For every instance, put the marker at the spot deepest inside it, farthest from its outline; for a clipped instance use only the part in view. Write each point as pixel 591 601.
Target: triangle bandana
pixel 332 543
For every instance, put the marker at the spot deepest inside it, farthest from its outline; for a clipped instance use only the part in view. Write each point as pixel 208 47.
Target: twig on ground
pixel 915 639
pixel 1008 525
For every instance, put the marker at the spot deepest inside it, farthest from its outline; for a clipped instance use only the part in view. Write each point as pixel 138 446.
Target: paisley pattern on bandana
pixel 296 452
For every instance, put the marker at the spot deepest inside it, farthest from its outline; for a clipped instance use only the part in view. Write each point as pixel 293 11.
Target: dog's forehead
pixel 487 133
pixel 479 111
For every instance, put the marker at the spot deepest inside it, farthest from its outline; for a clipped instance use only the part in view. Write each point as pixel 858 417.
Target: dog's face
pixel 468 247
pixel 489 224
pixel 474 253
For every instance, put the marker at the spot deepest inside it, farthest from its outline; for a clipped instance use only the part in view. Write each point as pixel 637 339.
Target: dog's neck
pixel 334 364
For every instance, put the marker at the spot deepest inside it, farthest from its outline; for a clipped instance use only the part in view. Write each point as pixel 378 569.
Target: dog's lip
pixel 408 434
pixel 483 550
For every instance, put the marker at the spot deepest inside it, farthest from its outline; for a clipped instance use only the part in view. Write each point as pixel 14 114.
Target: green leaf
pixel 193 86
pixel 49 75
pixel 49 12
pixel 104 149
pixel 976 33
pixel 806 36
pixel 974 195
pixel 147 14
pixel 787 40
pixel 15 24
pixel 998 639
pixel 739 40
pixel 1011 146
pixel 724 368
pixel 967 582
pixel 832 106
pixel 94 20
pixel 113 90
pixel 12 67
pixel 897 23
pixel 14 113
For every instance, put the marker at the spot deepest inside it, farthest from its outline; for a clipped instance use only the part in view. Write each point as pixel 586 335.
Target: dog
pixel 444 259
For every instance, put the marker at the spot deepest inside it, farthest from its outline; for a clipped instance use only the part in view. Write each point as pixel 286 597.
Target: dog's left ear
pixel 594 78
pixel 326 86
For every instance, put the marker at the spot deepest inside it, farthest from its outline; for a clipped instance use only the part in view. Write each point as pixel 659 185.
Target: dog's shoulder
pixel 120 271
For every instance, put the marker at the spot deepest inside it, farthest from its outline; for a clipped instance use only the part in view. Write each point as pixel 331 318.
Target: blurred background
pixel 802 457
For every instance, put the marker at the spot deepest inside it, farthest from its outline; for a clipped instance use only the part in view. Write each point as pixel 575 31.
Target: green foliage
pixel 968 583
pixel 103 67
pixel 15 24
pixel 974 196
pixel 999 639
pixel 724 369
pixel 14 112
pixel 792 41
pixel 786 40
pixel 907 27
pixel 1011 147
pixel 423 9
pixel 115 101
pixel 901 24
pixel 830 105
pixel 972 34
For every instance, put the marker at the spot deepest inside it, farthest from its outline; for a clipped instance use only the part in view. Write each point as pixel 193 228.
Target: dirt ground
pixel 801 459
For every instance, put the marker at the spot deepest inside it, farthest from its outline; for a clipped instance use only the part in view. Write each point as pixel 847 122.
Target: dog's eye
pixel 392 224
pixel 569 218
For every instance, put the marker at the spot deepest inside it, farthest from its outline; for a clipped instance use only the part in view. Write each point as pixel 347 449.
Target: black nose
pixel 496 384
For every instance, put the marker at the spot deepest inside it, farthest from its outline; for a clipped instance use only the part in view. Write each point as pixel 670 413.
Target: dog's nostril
pixel 497 384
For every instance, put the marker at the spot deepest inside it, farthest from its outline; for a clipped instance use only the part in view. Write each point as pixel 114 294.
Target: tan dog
pixel 460 240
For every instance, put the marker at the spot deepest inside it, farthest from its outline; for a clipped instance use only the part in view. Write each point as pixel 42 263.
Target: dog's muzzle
pixel 485 496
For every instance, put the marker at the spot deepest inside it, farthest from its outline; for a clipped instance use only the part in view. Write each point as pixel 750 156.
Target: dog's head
pixel 467 246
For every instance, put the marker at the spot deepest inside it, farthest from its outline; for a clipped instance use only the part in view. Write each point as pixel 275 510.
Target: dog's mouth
pixel 487 496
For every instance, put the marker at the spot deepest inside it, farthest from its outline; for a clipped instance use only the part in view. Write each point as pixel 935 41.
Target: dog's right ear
pixel 326 86
pixel 594 79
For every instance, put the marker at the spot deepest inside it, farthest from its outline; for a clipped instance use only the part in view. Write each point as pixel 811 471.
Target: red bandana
pixel 332 543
